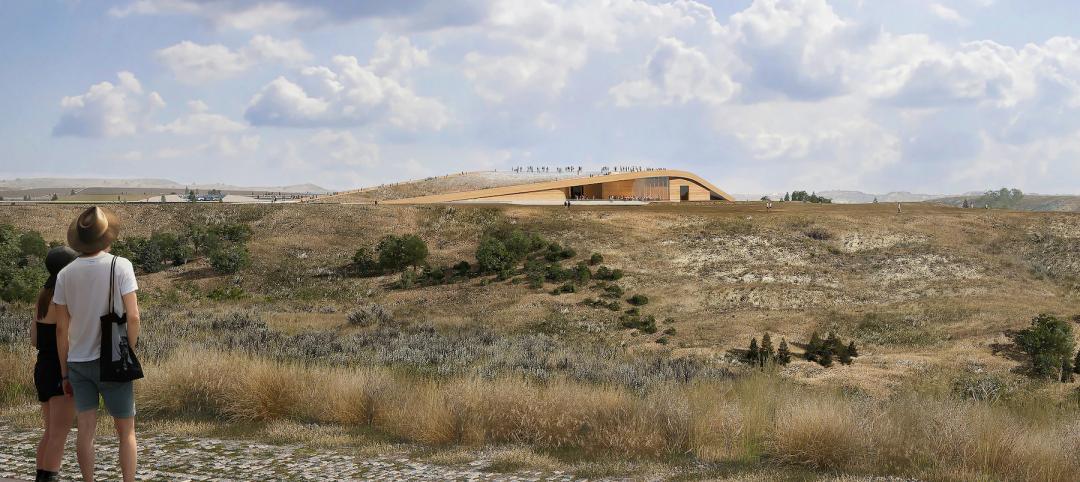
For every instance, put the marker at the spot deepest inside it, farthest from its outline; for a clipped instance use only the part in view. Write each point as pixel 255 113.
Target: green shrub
pixel 173 248
pixel 1048 342
pixel 633 320
pixel 225 293
pixel 565 288
pixel 536 279
pixel 229 232
pixel 462 268
pixel 493 256
pixel 613 291
pixel 582 274
pixel 362 261
pixel 608 274
pixel 229 258
pixel 399 252
pixel 595 259
pixel 32 244
pixel 638 300
pixel 556 273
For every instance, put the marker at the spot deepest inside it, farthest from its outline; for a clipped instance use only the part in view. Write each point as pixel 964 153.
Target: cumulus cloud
pixel 199 121
pixel 108 110
pixel 195 63
pixel 676 74
pixel 394 56
pixel 346 94
pixel 947 14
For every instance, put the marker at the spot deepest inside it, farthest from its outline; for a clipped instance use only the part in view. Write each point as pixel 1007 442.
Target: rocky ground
pixel 171 458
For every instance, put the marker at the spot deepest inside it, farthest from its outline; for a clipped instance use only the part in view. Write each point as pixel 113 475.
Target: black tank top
pixel 46 342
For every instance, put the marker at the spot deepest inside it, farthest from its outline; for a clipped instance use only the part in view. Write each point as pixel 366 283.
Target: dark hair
pixel 43 300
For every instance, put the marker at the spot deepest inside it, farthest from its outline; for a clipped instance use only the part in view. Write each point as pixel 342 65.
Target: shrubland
pixel 603 333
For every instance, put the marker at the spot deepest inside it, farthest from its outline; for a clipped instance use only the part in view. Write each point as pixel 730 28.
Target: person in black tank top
pixel 56 408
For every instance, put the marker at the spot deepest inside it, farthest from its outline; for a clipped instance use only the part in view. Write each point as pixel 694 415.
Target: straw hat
pixel 94 230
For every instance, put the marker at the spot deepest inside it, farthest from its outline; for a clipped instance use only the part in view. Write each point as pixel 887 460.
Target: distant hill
pixel 851 197
pixel 60 183
pixel 1030 202
pixel 858 197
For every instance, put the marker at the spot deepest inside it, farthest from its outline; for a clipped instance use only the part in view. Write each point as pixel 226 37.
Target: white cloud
pixel 395 56
pixel 676 74
pixel 947 14
pixel 346 94
pixel 201 122
pixel 195 63
pixel 108 110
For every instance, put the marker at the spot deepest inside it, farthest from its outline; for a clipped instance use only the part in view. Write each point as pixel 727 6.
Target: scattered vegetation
pixel 223 244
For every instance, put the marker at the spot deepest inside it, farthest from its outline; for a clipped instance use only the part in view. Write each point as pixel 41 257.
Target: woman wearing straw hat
pixel 82 294
pixel 56 409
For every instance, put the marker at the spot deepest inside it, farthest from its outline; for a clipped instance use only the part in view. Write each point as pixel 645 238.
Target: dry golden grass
pixel 748 421
pixel 745 421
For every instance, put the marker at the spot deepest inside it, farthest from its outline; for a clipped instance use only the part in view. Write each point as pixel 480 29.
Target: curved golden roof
pixel 478 194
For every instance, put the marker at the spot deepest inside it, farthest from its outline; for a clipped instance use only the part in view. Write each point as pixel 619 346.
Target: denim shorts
pixel 85 378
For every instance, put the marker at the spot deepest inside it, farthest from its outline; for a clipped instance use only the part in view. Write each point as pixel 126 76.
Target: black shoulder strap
pixel 112 277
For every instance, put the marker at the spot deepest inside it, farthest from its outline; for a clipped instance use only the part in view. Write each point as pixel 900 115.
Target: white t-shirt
pixel 83 286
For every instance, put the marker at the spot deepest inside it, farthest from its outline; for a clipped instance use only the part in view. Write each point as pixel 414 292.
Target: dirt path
pixel 170 458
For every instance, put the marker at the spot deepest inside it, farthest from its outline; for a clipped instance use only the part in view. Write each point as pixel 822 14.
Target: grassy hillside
pixel 466 181
pixel 931 297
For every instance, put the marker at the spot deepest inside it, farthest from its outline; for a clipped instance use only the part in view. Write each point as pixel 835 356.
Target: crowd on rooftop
pixel 578 169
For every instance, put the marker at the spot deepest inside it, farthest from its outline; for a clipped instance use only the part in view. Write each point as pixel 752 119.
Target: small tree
pixel 1049 342
pixel 399 252
pixel 813 347
pixel 825 358
pixel 766 353
pixel 844 357
pixel 752 353
pixel 783 354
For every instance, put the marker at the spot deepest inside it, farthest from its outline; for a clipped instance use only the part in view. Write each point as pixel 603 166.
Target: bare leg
pixel 44 437
pixel 84 443
pixel 125 431
pixel 61 411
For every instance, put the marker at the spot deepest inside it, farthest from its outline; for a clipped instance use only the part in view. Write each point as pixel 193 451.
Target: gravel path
pixel 170 458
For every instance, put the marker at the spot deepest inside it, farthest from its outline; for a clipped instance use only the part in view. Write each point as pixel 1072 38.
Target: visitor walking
pixel 86 308
pixel 57 410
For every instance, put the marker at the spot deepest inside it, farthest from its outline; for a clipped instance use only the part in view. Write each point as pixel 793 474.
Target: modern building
pixel 659 185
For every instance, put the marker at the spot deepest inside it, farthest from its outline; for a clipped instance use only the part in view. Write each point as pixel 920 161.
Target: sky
pixel 929 96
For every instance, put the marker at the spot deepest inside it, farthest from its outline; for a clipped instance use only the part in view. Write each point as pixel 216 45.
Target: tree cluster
pixel 224 245
pixel 1003 198
pixel 825 352
pixel 22 266
pixel 803 196
pixel 764 354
